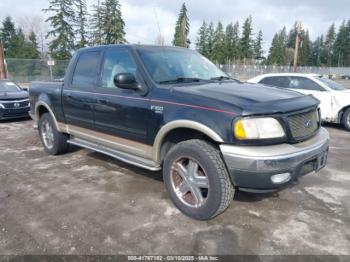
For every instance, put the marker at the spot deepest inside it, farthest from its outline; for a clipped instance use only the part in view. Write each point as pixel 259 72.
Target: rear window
pixel 86 70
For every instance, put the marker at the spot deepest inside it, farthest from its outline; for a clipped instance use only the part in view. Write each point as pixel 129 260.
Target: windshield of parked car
pixel 331 84
pixel 7 86
pixel 168 65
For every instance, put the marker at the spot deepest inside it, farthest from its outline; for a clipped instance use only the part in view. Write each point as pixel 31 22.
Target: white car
pixel 334 98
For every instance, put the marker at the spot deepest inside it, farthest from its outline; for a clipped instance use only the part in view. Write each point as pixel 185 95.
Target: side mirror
pixel 126 81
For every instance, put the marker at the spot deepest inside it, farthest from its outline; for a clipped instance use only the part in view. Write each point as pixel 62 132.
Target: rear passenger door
pixel 77 97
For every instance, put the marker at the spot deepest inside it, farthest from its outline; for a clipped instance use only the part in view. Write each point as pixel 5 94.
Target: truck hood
pixel 13 95
pixel 250 98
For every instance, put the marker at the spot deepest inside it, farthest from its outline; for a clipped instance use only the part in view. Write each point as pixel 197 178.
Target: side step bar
pixel 125 157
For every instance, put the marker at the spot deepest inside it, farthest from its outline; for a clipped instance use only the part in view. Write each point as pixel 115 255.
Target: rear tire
pixel 197 180
pixel 54 142
pixel 346 119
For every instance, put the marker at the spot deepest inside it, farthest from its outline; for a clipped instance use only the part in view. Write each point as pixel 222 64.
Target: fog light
pixel 280 178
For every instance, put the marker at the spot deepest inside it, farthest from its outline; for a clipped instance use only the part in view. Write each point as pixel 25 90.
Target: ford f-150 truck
pixel 170 108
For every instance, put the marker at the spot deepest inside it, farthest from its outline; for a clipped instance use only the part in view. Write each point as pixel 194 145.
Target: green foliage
pixel 62 33
pixel 7 32
pixel 182 28
pixel 81 23
pixel 202 39
pixel 219 54
pixel 341 55
pixel 246 42
pixel 278 50
pixel 329 44
pixel 232 41
pixel 258 51
pixel 107 24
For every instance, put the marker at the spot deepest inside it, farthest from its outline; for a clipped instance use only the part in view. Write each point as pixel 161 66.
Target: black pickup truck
pixel 170 108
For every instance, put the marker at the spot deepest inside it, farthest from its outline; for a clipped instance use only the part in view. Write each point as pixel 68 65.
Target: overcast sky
pixel 141 16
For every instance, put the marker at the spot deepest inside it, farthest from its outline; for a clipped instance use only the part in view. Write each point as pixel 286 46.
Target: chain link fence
pixel 24 71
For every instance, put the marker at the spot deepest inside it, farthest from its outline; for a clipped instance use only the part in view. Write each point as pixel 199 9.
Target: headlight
pixel 258 128
pixel 2 106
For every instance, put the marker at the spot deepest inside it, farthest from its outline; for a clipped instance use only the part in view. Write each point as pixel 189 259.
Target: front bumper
pixel 256 167
pixel 14 113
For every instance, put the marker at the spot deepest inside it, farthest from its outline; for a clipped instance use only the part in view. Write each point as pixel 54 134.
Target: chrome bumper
pixel 261 162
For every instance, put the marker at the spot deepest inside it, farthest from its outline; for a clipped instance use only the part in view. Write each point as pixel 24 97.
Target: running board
pixel 125 157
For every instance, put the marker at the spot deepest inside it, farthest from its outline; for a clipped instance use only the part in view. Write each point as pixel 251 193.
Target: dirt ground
pixel 87 203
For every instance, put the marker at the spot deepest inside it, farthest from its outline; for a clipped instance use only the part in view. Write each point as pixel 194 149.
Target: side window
pixel 279 81
pixel 86 70
pixel 116 61
pixel 304 83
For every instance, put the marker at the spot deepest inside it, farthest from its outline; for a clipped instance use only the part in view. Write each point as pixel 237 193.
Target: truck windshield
pixel 331 84
pixel 7 86
pixel 172 65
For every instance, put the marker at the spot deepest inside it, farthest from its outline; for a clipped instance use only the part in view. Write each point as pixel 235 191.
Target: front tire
pixel 346 119
pixel 197 180
pixel 54 142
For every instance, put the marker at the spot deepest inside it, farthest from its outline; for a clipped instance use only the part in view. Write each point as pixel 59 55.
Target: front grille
pixel 303 125
pixel 15 104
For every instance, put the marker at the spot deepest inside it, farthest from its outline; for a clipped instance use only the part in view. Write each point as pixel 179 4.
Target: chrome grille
pixel 304 125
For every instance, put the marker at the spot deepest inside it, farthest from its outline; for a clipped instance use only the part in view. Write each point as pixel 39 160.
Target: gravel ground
pixel 87 203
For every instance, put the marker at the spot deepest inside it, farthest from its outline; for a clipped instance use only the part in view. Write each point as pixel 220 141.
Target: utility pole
pixel 3 72
pixel 297 43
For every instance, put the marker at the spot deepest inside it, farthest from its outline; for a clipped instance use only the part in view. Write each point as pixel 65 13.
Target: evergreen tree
pixel 277 53
pixel 182 29
pixel 7 32
pixel 341 45
pixel 33 46
pixel 329 44
pixel 258 51
pixel 202 40
pixel 232 41
pixel 62 32
pixel 210 40
pixel 81 23
pixel 96 25
pixel 20 47
pixel 246 43
pixel 304 54
pixel 112 23
pixel 317 53
pixel 219 52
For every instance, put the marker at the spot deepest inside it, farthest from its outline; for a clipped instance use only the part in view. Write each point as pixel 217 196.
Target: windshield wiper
pixel 181 80
pixel 220 78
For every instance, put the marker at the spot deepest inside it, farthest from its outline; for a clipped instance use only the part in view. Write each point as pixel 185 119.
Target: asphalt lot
pixel 87 203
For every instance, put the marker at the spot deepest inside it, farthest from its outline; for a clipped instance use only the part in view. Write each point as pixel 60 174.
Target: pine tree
pixel 246 46
pixel 218 53
pixel 277 52
pixel 81 23
pixel 7 32
pixel 33 46
pixel 317 54
pixel 182 29
pixel 112 23
pixel 232 41
pixel 304 54
pixel 202 39
pixel 62 33
pixel 210 40
pixel 96 24
pixel 341 46
pixel 258 51
pixel 329 44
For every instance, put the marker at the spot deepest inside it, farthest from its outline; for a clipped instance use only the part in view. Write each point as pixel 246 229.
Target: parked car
pixel 170 108
pixel 346 77
pixel 335 99
pixel 14 102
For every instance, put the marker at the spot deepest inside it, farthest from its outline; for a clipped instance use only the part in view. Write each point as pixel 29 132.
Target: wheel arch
pixel 341 113
pixel 177 126
pixel 42 107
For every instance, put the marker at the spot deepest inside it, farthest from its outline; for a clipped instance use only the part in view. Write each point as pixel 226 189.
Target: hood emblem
pixel 16 105
pixel 308 123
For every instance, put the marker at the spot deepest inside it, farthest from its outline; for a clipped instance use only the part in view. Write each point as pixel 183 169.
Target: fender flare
pixel 58 126
pixel 181 124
